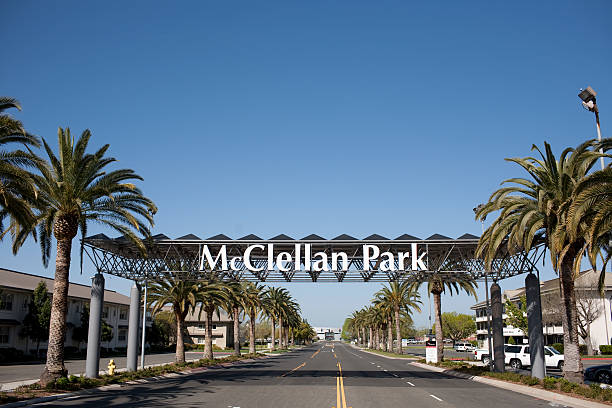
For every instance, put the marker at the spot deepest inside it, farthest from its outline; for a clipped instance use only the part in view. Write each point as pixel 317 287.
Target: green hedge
pixel 605 349
pixel 558 347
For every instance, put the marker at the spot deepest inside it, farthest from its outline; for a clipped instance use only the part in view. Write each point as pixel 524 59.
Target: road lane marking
pixel 409 383
pixel 343 396
pixel 316 352
pixel 434 397
pixel 295 369
pixel 338 392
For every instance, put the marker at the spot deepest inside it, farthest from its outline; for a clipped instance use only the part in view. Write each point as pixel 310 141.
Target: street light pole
pixel 488 307
pixel 589 102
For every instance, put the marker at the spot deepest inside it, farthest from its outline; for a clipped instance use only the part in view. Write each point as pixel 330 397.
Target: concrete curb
pixel 522 389
pixel 120 385
pixel 382 355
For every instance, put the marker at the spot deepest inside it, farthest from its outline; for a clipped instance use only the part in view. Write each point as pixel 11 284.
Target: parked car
pixel 517 356
pixel 482 355
pixel 599 373
pixel 462 346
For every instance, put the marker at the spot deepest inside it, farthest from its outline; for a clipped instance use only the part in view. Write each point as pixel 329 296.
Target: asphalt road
pixel 323 375
pixel 20 372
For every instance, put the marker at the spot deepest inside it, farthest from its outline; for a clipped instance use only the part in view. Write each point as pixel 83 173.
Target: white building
pixel 588 298
pixel 328 333
pixel 17 289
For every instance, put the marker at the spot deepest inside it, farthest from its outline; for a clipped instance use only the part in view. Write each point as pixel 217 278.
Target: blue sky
pixel 301 117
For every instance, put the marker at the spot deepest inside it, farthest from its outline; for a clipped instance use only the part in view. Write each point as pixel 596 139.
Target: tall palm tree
pixel 400 296
pixel 181 296
pixel 233 307
pixel 276 301
pixel 386 314
pixel 17 189
pixel 437 283
pixel 211 296
pixel 253 303
pixel 74 189
pixel 534 212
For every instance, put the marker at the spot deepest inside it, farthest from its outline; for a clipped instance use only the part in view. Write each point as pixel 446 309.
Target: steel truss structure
pixel 180 257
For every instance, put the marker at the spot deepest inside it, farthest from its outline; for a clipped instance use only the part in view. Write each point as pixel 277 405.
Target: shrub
pixel 605 349
pixel 582 349
pixel 567 386
pixel 558 347
pixel 527 380
pixel 550 383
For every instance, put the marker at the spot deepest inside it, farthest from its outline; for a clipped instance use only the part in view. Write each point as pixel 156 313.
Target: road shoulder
pixel 522 389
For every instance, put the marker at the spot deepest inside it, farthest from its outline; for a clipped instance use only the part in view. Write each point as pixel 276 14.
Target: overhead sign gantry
pixel 309 259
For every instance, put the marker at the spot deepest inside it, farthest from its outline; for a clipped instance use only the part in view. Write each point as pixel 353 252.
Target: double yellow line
pixel 340 396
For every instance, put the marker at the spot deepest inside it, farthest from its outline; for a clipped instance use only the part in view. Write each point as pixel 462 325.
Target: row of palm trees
pixel 237 299
pixel 564 206
pixel 374 324
pixel 396 301
pixel 58 196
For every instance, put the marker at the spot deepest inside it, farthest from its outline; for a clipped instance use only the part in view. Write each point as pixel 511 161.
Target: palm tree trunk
pixel 398 335
pixel 273 336
pixel 363 336
pixel 54 368
pixel 208 351
pixel 281 338
pixel 377 338
pixel 390 334
pixel 371 338
pixel 438 325
pixel 180 343
pixel 237 332
pixel 252 349
pixel 572 367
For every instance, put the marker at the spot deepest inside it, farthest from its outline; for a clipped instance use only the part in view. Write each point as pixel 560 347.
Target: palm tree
pixel 534 212
pixel 437 284
pixel 17 190
pixel 276 301
pixel 400 296
pixel 385 310
pixel 181 296
pixel 233 306
pixel 253 303
pixel 211 296
pixel 73 190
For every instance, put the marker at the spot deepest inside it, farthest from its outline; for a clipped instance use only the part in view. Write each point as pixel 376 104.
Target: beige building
pixel 222 329
pixel 589 303
pixel 17 289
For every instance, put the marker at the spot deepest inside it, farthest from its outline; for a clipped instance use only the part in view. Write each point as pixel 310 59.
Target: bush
pixel 550 383
pixel 605 349
pixel 527 380
pixel 567 386
pixel 558 347
pixel 582 349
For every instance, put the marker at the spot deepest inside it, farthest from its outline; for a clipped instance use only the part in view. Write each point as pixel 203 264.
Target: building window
pixel 201 327
pixel 201 340
pixel 26 303
pixel 214 326
pixel 6 302
pixel 123 314
pixel 121 336
pixel 4 334
pixel 105 313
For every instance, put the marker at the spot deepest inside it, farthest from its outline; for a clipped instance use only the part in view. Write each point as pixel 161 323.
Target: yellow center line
pixel 316 352
pixel 342 387
pixel 338 392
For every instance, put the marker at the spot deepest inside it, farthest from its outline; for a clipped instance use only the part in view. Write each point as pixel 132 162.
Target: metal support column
pixel 498 328
pixel 92 364
pixel 133 323
pixel 534 326
pixel 488 309
pixel 144 325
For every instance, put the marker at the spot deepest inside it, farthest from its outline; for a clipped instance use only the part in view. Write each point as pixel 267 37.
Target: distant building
pixel 222 328
pixel 17 289
pixel 588 299
pixel 328 333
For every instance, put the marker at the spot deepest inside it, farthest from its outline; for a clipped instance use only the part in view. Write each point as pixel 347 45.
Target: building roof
pixel 26 281
pixel 586 280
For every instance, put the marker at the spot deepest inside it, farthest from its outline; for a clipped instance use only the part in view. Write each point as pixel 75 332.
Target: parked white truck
pixel 517 356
